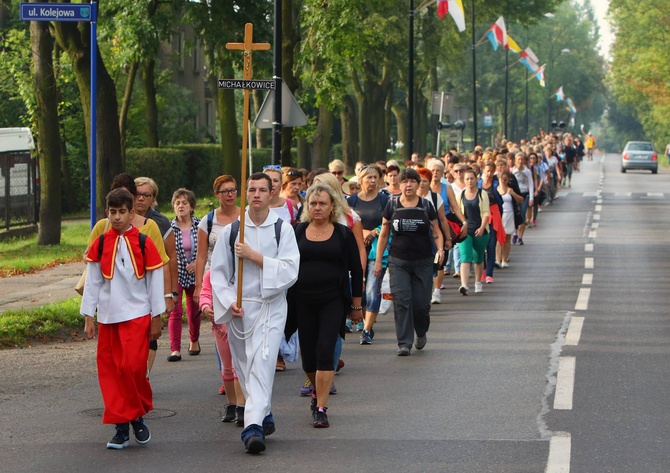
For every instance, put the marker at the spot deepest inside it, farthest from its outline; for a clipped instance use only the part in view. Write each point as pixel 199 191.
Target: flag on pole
pixel 529 59
pixel 538 74
pixel 512 45
pixel 560 96
pixel 497 34
pixel 455 9
pixel 571 106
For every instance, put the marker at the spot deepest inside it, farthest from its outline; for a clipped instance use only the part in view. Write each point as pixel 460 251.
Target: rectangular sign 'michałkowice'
pixel 246 84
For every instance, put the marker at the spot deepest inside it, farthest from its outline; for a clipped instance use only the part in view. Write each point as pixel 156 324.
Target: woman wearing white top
pixel 524 178
pixel 278 204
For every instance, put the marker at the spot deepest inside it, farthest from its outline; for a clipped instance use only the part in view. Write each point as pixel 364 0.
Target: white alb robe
pixel 254 339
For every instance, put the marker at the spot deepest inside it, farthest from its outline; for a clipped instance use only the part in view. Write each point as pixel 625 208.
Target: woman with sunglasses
pixel 209 229
pixel 337 169
pixel 291 187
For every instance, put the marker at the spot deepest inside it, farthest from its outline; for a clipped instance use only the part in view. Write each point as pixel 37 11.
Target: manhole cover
pixel 155 414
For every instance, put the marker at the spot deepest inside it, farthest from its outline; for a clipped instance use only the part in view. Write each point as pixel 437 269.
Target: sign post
pixel 78 12
pixel 247 47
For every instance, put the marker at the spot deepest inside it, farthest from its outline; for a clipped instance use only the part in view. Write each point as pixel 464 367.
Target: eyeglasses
pixel 226 191
pixel 294 173
pixel 146 195
pixel 458 170
pixel 272 167
pixel 338 173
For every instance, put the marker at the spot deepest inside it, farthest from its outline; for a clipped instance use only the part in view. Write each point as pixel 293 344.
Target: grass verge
pixel 47 323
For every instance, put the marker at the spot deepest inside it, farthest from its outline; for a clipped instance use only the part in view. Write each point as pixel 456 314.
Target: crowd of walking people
pixel 303 264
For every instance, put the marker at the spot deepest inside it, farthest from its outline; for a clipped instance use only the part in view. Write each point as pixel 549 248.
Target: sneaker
pixel 521 241
pixel 533 222
pixel 421 342
pixel 515 238
pixel 121 439
pixel 366 339
pixel 443 286
pixel 403 351
pixel 269 425
pixel 239 416
pixel 312 404
pixel 504 264
pixel 497 264
pixel 141 431
pixel 253 438
pixel 436 298
pixel 478 287
pixel 306 389
pixel 463 290
pixel 489 280
pixel 483 277
pixel 321 418
pixel 254 444
pixel 222 389
pixel 372 333
pixel 456 275
pixel 333 390
pixel 229 413
pixel 360 326
pixel 348 326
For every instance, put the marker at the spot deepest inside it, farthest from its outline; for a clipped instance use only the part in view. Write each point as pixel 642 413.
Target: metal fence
pixel 19 197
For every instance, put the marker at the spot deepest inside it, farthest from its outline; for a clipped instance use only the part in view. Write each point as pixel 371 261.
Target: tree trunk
pixel 149 80
pixel 304 157
pixel 322 138
pixel 125 107
pixel 349 131
pixel 225 107
pixel 48 136
pixel 420 121
pixel 371 98
pixel 291 37
pixel 401 114
pixel 75 43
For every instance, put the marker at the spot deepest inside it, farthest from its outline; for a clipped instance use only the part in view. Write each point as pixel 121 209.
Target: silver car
pixel 639 155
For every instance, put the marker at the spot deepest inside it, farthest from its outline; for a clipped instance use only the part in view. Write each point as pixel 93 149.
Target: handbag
pixel 79 287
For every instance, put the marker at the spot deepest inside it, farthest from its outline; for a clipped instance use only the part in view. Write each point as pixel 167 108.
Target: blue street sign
pixel 56 12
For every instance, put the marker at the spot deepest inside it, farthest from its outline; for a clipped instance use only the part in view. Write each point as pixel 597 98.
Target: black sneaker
pixel 321 418
pixel 141 431
pixel 229 414
pixel 239 416
pixel 366 339
pixel 122 438
pixel 420 342
pixel 254 444
pixel 312 404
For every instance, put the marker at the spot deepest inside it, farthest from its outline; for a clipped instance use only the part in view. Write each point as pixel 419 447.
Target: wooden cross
pixel 247 47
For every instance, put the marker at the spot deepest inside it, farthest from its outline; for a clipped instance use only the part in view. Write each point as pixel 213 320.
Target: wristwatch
pixel 175 294
pixel 168 295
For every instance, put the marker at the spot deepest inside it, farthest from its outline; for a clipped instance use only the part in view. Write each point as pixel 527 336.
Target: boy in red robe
pixel 124 284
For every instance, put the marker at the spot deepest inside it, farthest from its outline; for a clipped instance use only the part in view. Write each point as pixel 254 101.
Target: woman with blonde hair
pixel 322 297
pixel 337 169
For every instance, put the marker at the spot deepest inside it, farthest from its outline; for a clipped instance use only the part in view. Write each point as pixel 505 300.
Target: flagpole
pixel 474 81
pixel 506 92
pixel 526 117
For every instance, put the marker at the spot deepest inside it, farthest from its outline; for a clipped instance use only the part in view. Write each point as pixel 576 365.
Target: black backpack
pixel 234 230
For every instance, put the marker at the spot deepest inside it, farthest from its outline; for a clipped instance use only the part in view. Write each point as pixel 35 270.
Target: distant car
pixel 639 155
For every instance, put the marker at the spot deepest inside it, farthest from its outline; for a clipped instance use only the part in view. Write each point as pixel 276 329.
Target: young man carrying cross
pixel 271 262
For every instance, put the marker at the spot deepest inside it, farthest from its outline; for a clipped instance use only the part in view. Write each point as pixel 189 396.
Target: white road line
pixel 592 235
pixel 588 263
pixel 590 194
pixel 574 331
pixel 583 299
pixel 559 453
pixel 596 216
pixel 599 201
pixel 655 194
pixel 622 194
pixel 595 225
pixel 587 279
pixel 599 208
pixel 565 383
pixel 588 247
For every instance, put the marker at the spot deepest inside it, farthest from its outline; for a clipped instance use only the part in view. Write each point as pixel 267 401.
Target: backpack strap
pixel 142 238
pixel 102 240
pixel 234 230
pixel 352 200
pixel 210 222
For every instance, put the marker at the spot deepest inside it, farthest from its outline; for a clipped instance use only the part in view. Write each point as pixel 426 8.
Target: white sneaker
pixel 463 290
pixel 478 287
pixel 504 264
pixel 437 297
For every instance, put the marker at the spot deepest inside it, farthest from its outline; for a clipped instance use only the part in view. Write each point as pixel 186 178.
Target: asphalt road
pixel 481 397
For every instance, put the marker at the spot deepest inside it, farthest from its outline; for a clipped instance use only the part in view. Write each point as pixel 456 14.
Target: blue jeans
pixel 491 251
pixel 373 288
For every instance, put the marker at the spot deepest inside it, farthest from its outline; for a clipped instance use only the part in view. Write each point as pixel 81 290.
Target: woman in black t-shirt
pixel 416 239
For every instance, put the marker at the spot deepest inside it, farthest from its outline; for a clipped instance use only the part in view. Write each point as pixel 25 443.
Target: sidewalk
pixel 43 287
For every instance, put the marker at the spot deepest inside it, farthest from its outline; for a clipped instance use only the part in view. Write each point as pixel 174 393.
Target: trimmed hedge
pixel 194 166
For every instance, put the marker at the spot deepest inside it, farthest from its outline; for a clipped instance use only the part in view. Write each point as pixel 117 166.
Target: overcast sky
pixel 606 36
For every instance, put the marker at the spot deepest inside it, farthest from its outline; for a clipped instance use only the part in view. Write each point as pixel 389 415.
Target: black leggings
pixel 319 325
